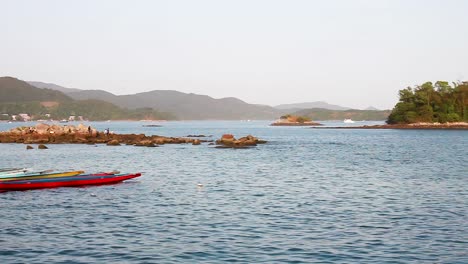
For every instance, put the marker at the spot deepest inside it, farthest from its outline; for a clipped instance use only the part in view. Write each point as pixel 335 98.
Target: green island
pixel 294 120
pixel 431 103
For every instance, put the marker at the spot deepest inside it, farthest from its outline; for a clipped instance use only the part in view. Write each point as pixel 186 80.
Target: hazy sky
pixel 352 53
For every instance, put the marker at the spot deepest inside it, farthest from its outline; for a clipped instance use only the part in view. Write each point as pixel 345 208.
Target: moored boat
pixel 61 178
pixel 78 180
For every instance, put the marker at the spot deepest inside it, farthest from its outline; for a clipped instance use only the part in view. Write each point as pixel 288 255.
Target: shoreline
pixel 415 126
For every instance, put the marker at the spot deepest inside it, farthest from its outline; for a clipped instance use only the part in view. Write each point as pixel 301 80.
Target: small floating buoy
pixel 200 185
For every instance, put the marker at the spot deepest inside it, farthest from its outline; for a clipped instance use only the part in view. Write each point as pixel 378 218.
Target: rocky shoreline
pixel 296 124
pixel 69 134
pixel 443 126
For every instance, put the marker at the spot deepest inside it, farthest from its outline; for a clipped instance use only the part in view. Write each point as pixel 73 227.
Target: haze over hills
pixel 372 108
pixel 53 87
pixel 358 115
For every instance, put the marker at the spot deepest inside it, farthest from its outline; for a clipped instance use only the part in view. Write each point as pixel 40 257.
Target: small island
pixel 428 106
pixel 292 120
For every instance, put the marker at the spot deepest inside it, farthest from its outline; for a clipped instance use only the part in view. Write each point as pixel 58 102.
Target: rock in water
pixel 113 143
pixel 229 141
pixel 29 147
pixel 41 146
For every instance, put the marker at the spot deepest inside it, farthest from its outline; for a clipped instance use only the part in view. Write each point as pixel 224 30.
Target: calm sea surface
pixel 308 196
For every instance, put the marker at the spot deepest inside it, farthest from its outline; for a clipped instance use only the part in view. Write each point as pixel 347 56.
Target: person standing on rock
pixel 89 130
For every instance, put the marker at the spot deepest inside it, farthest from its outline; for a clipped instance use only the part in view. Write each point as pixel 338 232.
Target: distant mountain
pixel 94 94
pixel 309 105
pixel 52 86
pixel 14 90
pixel 327 114
pixel 193 106
pixel 371 108
pixel 183 105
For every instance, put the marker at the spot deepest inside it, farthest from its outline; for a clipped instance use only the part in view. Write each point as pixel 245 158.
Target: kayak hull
pixel 73 181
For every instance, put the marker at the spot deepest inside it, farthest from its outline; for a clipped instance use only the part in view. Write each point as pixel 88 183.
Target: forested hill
pixel 439 102
pixel 14 90
pixel 17 97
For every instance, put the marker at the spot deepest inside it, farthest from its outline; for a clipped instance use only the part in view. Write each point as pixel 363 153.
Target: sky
pixel 354 53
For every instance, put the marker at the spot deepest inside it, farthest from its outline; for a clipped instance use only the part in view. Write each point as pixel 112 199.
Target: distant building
pixel 25 117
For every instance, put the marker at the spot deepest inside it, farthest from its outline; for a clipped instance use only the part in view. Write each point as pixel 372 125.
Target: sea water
pixel 307 196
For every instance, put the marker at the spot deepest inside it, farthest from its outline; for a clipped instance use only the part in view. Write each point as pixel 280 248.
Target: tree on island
pixel 439 102
pixel 295 119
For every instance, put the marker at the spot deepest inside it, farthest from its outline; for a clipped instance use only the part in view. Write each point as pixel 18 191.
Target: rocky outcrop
pixel 113 143
pixel 229 141
pixel 145 143
pixel 81 134
pixel 41 146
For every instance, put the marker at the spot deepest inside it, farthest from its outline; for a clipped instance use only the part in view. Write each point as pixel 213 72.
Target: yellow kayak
pixel 43 176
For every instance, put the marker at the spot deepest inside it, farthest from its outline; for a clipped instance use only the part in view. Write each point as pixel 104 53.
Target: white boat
pixel 348 121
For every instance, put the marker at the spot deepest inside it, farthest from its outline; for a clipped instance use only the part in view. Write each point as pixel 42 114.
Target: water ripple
pixel 310 196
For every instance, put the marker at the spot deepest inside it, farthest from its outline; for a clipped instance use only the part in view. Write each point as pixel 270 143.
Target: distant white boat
pixel 348 121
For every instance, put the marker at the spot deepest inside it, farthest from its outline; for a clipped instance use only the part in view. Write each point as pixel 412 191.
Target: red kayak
pixel 78 181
